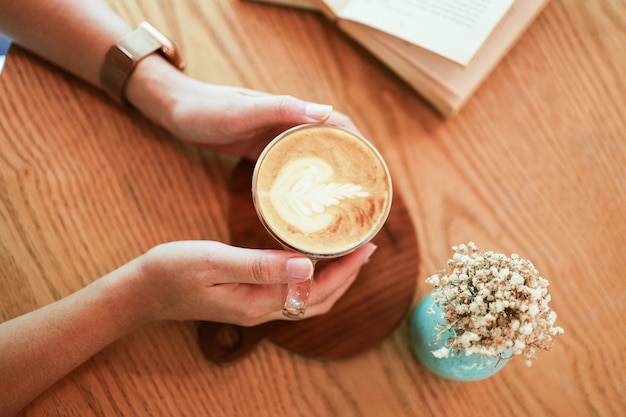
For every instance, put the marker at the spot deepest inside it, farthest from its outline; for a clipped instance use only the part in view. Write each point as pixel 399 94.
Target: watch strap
pixel 121 59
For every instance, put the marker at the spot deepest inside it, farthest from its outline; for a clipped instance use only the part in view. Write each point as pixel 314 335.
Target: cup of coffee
pixel 322 191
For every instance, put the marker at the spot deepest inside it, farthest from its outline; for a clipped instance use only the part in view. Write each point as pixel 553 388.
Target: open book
pixel 444 49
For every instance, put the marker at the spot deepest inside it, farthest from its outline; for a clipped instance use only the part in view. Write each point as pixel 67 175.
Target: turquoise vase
pixel 423 340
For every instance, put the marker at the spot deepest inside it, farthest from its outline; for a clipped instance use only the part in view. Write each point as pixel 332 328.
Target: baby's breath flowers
pixel 492 305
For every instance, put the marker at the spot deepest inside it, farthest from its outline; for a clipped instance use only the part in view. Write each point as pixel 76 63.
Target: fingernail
pixel 371 249
pixel 318 112
pixel 299 268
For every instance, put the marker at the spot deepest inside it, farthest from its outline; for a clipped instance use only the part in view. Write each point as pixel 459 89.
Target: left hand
pixel 240 122
pixel 231 120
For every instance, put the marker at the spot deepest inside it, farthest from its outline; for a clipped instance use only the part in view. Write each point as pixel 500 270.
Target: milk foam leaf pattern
pixel 309 197
pixel 305 189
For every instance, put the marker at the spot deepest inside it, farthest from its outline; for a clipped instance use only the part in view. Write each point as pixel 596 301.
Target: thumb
pixel 262 266
pixel 284 109
pixel 267 268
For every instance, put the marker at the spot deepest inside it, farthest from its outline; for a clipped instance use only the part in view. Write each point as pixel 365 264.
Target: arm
pixel 197 280
pixel 72 34
pixel 76 34
pixel 40 347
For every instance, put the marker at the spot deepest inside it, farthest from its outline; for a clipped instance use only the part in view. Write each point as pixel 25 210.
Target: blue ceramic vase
pixel 423 340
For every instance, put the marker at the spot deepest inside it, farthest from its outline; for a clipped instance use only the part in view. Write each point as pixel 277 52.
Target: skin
pixel 191 280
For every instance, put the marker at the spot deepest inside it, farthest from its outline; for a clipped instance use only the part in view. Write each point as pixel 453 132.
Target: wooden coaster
pixel 366 314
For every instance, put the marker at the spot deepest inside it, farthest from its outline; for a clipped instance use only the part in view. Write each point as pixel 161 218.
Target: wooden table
pixel 534 164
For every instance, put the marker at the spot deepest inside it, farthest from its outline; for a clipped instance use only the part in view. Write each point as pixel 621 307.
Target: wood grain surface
pixel 534 164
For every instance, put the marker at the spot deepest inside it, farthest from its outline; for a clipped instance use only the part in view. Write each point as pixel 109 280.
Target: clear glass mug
pixel 322 191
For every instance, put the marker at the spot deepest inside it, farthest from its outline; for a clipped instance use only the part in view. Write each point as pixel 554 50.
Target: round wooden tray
pixel 366 314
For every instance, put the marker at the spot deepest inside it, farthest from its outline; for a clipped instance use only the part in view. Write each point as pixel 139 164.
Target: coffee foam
pixel 322 190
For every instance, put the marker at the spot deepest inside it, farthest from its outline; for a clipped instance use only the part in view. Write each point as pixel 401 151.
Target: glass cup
pixel 322 191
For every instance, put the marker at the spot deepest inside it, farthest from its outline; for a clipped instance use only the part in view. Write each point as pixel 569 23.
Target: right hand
pixel 212 281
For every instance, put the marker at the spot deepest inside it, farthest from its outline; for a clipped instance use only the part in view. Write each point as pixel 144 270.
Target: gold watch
pixel 121 59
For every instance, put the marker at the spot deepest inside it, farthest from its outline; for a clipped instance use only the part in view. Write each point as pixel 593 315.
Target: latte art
pixel 321 190
pixel 304 197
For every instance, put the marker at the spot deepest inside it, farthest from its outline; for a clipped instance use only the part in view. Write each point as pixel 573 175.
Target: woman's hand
pixel 206 280
pixel 232 120
pixel 241 122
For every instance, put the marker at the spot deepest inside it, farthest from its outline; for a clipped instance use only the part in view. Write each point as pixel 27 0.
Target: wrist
pixel 152 89
pixel 125 293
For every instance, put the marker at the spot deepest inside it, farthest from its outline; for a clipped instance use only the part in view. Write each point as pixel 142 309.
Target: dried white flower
pixel 516 279
pixel 518 347
pixel 433 280
pixel 554 331
pixel 441 353
pixel 526 329
pixel 493 305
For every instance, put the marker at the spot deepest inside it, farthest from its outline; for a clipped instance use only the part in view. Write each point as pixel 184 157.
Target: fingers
pixel 256 266
pixel 285 110
pixel 328 286
pixel 332 282
pixel 288 110
pixel 340 119
pixel 268 268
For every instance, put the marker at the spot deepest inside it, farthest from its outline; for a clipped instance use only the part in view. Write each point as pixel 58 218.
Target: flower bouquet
pixel 483 306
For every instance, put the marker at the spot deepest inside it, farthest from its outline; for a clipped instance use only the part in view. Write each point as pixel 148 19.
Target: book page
pixel 454 29
pixel 464 79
